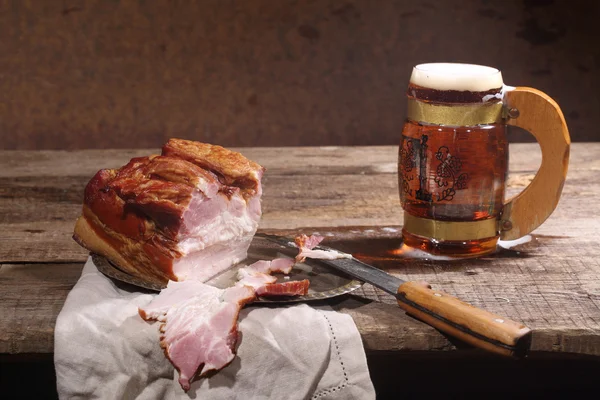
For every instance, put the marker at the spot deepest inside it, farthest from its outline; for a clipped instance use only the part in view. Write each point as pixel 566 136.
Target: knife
pixel 448 314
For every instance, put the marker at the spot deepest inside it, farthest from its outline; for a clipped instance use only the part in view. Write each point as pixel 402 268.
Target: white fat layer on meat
pixel 323 254
pixel 260 266
pixel 258 276
pixel 282 265
pixel 255 280
pixel 173 294
pixel 216 234
pixel 232 219
pixel 209 262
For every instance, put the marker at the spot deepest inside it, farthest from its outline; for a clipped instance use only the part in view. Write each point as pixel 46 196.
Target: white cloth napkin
pixel 104 350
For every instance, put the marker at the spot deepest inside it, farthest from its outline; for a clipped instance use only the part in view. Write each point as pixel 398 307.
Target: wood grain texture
pixel 130 74
pixel 31 297
pixel 349 195
pixel 542 117
pixel 472 325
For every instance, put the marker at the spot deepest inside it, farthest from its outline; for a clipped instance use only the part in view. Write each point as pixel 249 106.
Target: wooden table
pixel 350 195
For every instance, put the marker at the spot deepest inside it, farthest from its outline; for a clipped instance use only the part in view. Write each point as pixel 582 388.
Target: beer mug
pixel 453 159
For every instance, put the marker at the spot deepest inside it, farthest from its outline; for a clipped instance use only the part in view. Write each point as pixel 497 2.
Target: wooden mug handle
pixel 537 113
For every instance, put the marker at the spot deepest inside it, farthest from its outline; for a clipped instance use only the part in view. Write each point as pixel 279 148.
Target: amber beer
pixel 452 173
pixel 453 160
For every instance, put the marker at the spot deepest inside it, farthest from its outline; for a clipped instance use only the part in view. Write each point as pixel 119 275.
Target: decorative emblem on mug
pixel 408 158
pixel 447 174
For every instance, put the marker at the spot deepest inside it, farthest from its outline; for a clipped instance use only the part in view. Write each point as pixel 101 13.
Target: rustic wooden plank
pixel 36 224
pixel 552 283
pixel 31 296
pixel 282 160
pixel 546 283
pixel 277 160
pixel 553 292
pixel 41 192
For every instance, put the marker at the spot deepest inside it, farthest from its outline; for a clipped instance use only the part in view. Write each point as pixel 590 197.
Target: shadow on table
pixel 475 375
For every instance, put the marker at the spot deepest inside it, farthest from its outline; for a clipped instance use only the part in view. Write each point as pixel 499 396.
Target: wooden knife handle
pixel 464 321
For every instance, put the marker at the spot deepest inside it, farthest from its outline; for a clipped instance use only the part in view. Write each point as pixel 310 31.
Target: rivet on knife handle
pixel 475 326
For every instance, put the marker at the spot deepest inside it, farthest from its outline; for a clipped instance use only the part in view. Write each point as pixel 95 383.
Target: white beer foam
pixel 454 76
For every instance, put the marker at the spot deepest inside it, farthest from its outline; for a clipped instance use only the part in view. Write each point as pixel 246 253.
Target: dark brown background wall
pixel 131 73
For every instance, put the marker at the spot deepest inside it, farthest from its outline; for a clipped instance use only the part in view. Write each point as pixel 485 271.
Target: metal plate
pixel 325 282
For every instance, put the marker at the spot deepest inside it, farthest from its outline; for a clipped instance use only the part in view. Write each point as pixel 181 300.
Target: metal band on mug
pixel 450 230
pixel 455 115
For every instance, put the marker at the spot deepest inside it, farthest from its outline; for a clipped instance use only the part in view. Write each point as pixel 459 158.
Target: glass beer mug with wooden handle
pixel 453 159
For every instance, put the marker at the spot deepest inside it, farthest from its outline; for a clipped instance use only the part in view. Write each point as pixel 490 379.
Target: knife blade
pixel 448 314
